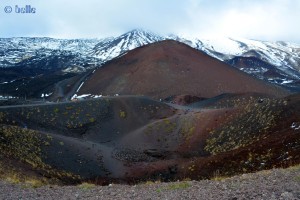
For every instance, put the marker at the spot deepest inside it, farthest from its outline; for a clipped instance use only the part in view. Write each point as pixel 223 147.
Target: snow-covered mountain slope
pixel 47 53
pixel 275 53
pixel 73 55
pixel 114 47
pixel 276 62
pixel 76 45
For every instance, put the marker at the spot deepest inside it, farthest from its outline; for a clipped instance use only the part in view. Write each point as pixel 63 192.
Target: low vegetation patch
pixel 250 125
pixel 122 114
pixel 86 186
pixel 175 186
pixel 13 175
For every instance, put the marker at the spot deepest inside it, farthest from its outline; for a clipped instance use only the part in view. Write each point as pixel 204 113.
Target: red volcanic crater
pixel 170 68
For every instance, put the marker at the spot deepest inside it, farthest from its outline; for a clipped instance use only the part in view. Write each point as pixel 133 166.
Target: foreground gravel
pixel 272 184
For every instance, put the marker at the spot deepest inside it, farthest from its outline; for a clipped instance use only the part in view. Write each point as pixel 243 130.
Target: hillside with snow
pixel 276 62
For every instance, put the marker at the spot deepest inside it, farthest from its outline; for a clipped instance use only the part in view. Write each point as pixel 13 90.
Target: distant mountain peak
pixel 140 31
pixel 125 42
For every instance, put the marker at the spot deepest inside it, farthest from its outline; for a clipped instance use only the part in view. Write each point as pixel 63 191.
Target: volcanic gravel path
pixel 272 184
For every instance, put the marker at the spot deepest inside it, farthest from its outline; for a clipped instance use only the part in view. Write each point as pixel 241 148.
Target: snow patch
pixel 96 96
pixel 83 96
pixel 80 87
pixel 8 97
pixel 46 95
pixel 295 126
pixel 287 81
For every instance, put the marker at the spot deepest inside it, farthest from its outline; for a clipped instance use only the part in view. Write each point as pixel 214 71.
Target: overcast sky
pixel 252 19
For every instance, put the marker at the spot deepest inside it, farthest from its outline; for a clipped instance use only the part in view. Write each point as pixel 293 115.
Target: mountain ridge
pixel 275 62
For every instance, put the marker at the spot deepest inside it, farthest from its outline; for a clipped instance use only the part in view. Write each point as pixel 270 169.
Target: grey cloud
pixel 256 19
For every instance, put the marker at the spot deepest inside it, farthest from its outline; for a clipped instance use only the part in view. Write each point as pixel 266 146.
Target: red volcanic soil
pixel 223 142
pixel 170 68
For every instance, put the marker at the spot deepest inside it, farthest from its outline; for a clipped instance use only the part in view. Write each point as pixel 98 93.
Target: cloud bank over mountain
pixel 257 19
